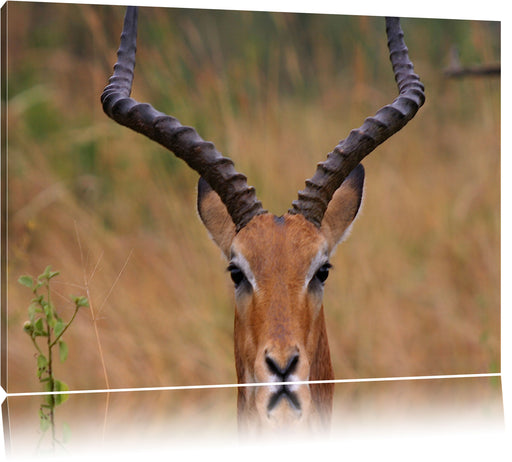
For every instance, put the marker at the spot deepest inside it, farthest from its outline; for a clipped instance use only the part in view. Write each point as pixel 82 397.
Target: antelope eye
pixel 237 275
pixel 323 272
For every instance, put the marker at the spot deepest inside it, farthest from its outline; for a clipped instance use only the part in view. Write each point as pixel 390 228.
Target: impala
pixel 278 264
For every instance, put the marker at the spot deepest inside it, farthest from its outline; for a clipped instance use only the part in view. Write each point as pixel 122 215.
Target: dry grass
pixel 415 290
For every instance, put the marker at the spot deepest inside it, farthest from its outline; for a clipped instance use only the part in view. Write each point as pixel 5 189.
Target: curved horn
pixel 314 199
pixel 239 198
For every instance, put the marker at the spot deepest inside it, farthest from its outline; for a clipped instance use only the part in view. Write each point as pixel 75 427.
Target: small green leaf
pixel 58 327
pixel 45 273
pixel 80 301
pixel 42 364
pixel 60 386
pixel 49 314
pixel 47 308
pixel 51 322
pixel 32 310
pixel 39 328
pixel 48 273
pixel 27 281
pixel 53 274
pixel 63 351
pixel 42 361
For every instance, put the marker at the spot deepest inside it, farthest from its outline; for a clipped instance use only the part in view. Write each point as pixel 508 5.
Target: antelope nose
pixel 282 369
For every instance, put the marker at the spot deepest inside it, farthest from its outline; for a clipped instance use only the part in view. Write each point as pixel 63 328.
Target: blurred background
pixel 415 290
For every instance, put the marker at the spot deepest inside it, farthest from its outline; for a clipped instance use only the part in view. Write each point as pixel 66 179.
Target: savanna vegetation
pixel 415 290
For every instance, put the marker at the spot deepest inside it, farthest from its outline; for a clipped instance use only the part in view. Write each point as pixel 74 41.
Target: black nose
pixel 282 371
pixel 283 393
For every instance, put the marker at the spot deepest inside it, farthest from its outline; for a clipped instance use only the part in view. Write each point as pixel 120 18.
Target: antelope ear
pixel 343 208
pixel 215 217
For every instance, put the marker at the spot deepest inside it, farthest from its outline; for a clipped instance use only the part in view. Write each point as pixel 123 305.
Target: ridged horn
pixel 239 198
pixel 314 199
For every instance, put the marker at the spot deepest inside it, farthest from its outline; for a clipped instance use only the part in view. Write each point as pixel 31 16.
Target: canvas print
pixel 254 224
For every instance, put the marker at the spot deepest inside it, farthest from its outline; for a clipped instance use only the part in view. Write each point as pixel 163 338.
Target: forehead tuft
pixel 268 240
pixel 279 220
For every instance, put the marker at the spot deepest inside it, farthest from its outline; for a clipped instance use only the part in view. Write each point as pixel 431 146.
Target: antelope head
pixel 278 264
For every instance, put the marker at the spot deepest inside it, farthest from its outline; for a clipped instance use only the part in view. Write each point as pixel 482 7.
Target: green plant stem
pixel 44 321
pixel 51 382
pixel 65 328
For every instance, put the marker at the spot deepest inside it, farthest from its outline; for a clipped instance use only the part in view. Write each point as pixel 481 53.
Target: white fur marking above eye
pixel 239 260
pixel 320 259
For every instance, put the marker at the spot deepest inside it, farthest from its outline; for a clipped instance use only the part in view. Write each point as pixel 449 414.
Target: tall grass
pixel 415 290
